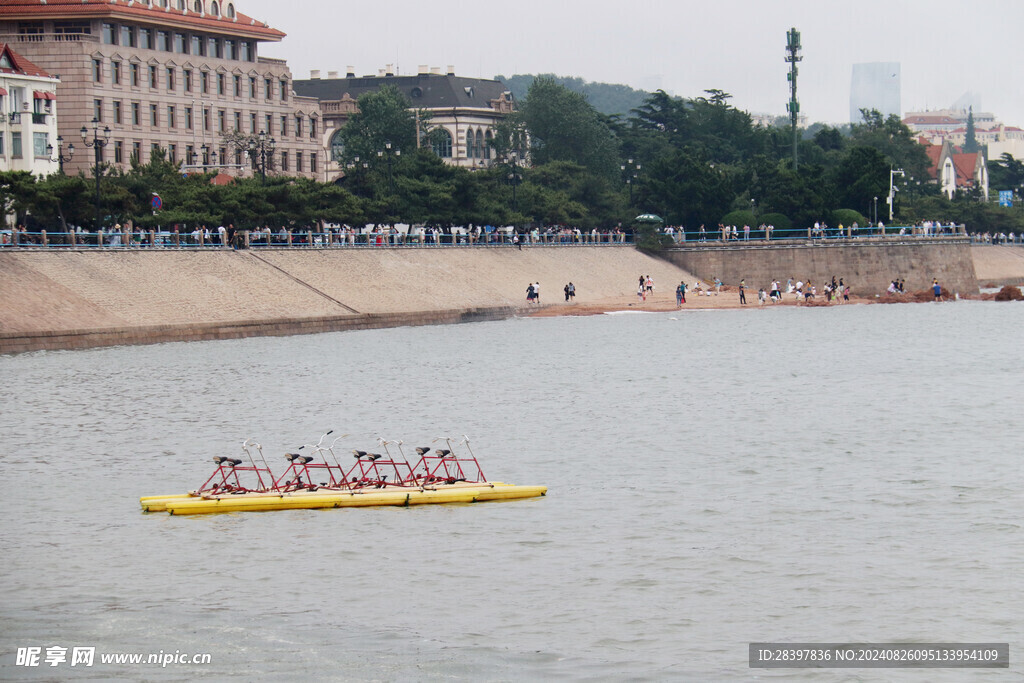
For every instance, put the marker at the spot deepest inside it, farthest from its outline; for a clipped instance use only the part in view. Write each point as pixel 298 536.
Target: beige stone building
pixel 172 74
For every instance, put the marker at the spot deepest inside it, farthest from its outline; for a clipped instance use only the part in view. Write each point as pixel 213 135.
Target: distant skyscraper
pixel 875 85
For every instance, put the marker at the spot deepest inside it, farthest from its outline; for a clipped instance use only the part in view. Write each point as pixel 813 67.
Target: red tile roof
pixel 933 152
pixel 126 9
pixel 21 65
pixel 964 165
pixel 930 120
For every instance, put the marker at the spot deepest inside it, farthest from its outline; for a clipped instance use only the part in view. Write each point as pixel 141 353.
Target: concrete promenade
pixel 83 298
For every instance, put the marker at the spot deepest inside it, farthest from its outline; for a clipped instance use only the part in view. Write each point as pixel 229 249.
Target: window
pixel 443 144
pixel 1 144
pixel 154 150
pixel 270 124
pixel 115 73
pixel 223 155
pixel 231 11
pixel 229 49
pixel 66 29
pixel 238 157
pixel 206 118
pixel 298 126
pixel 172 153
pixel 170 78
pixel 213 47
pixel 214 8
pixel 97 71
pixel 283 92
pixel 238 85
pixel 109 34
pixel 252 122
pixel 312 127
pixel 136 114
pixel 487 144
pixel 135 75
pixel 337 147
pixel 117 111
pixel 197 46
pixel 268 91
pixel 312 162
pixel 470 148
pixel 238 120
pixel 221 121
pixel 39 143
pixel 163 41
pixel 128 36
pixel 137 151
pixel 16 145
pixel 245 51
pixel 154 116
pixel 284 125
pixel 189 122
pixel 118 152
pixel 252 87
pixel 284 161
pixel 190 154
pixel 180 43
pixel 152 76
pixel 298 162
pixel 146 38
pixel 171 119
pixel 204 83
pixel 97 110
pixel 186 79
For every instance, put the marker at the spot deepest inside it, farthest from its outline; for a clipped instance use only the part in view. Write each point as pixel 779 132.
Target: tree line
pixel 556 160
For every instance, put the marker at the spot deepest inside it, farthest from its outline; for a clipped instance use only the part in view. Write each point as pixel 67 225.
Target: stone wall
pixel 867 265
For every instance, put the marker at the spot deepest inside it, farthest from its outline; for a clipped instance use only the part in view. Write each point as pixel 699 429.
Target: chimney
pixel 314 74
pixel 435 70
pixel 423 70
pixel 380 73
pixel 451 69
pixel 332 74
pixel 389 70
pixel 350 72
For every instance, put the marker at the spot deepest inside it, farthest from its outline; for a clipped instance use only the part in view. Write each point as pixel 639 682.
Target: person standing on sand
pixel 566 290
pixel 936 289
pixel 572 292
pixel 641 293
pixel 529 293
pixel 679 295
pixel 536 292
pixel 649 283
pixel 743 292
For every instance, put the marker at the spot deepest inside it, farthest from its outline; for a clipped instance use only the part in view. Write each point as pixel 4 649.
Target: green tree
pixel 893 139
pixel 971 145
pixel 564 127
pixel 384 117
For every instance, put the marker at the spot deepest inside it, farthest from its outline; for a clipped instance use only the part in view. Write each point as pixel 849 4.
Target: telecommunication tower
pixel 793 106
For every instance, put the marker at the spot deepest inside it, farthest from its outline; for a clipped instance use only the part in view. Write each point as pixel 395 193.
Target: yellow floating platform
pixel 191 504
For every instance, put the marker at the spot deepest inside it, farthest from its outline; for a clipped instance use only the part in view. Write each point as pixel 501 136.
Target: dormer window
pixel 469 91
pixel 231 11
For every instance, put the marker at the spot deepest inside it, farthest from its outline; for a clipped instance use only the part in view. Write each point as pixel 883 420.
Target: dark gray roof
pixel 426 91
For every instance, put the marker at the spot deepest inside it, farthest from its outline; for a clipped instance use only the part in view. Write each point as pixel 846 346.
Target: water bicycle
pixel 316 479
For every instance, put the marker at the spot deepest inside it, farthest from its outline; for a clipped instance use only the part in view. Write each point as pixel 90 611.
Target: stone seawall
pixel 867 265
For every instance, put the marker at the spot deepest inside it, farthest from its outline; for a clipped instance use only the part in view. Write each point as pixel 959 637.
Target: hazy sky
pixel 946 48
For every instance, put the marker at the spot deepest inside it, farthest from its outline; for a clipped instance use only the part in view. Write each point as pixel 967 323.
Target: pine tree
pixel 970 140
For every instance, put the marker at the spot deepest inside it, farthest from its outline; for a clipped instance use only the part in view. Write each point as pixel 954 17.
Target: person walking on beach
pixel 566 290
pixel 649 284
pixel 679 295
pixel 572 292
pixel 529 293
pixel 641 293
pixel 536 292
pixel 743 292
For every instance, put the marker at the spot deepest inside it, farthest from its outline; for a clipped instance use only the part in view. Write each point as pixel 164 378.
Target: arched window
pixel 488 138
pixel 443 144
pixel 181 5
pixel 231 10
pixel 479 144
pixel 215 9
pixel 470 144
pixel 198 7
pixel 337 147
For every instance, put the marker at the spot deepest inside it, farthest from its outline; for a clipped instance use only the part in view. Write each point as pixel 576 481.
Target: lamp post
pixel 893 172
pixel 260 147
pixel 209 156
pixel 97 144
pixel 513 177
pixel 631 171
pixel 875 220
pixel 61 156
pixel 389 155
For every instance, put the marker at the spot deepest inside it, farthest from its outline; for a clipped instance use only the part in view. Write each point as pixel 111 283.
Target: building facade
pixel 465 110
pixel 28 116
pixel 173 75
pixel 875 85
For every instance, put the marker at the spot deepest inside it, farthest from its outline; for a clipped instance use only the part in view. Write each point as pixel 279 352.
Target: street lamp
pixel 260 147
pixel 209 156
pixel 875 220
pixel 388 155
pixel 61 157
pixel 892 188
pixel 98 144
pixel 631 172
pixel 513 178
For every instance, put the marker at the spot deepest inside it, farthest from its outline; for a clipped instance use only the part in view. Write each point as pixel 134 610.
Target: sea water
pixel 844 474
